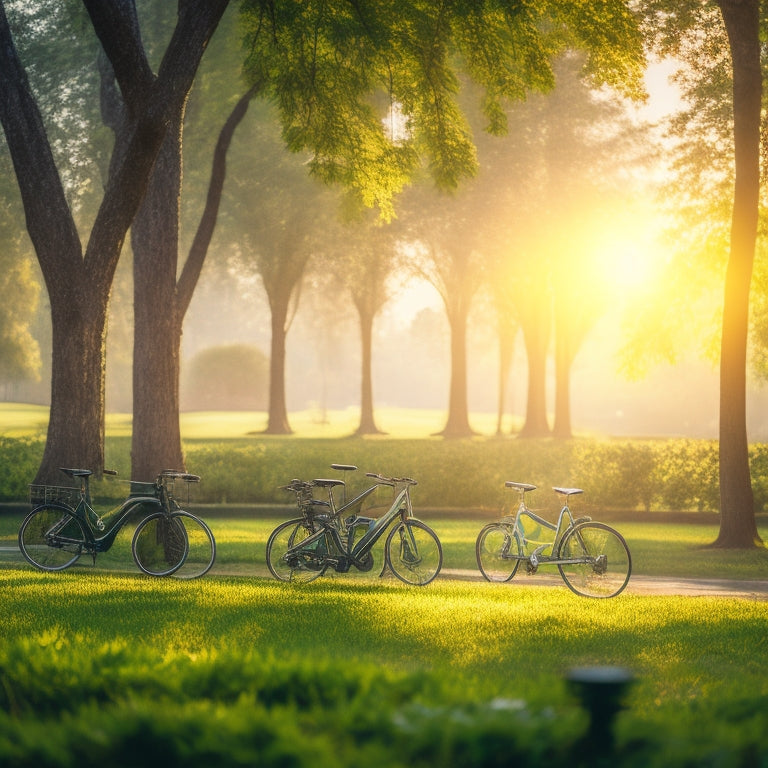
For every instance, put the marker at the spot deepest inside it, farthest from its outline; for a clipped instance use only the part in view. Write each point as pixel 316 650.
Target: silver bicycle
pixel 592 558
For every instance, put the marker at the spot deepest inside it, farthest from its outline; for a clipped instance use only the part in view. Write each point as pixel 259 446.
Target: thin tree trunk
pixel 536 338
pixel 737 515
pixel 277 416
pixel 507 332
pixel 457 424
pixel 367 421
pixel 564 357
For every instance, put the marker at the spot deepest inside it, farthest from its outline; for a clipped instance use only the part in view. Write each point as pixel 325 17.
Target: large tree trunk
pixel 160 304
pixel 737 515
pixel 367 421
pixel 76 423
pixel 156 442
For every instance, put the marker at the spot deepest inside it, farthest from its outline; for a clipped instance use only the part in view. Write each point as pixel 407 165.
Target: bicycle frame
pixel 369 539
pixel 84 512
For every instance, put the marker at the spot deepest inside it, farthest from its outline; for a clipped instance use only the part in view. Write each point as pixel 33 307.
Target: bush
pixel 665 475
pixel 227 378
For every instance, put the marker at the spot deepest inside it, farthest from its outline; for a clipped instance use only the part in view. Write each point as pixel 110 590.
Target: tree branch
pixel 199 248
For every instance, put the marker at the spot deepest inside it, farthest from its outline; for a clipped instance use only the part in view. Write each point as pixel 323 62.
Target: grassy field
pixel 100 665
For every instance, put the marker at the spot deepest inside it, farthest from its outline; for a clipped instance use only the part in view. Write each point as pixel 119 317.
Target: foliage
pixel 666 475
pixel 230 672
pixel 232 377
pixel 335 70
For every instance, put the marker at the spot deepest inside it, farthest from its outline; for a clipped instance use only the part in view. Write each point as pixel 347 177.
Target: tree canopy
pixel 341 72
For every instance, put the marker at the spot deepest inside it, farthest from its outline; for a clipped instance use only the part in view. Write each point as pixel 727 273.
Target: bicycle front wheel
pixel 177 544
pixel 413 552
pixel 598 563
pixel 51 538
pixel 497 551
pixel 286 560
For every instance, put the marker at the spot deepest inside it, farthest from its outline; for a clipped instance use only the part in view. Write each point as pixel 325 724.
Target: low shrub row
pixel 650 475
pixel 124 706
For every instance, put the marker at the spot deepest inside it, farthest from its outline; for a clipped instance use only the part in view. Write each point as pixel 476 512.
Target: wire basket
pixel 42 494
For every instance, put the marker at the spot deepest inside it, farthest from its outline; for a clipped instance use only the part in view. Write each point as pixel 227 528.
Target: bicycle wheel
pixel 51 538
pixel 413 552
pixel 159 545
pixel 599 560
pixel 497 550
pixel 285 558
pixel 178 544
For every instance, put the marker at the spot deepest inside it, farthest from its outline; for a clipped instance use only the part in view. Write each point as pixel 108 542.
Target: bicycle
pixel 303 548
pixel 167 541
pixel 593 558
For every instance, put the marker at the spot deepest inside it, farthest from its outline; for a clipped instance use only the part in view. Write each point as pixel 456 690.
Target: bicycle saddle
pixel 567 491
pixel 344 467
pixel 520 486
pixel 76 472
pixel 328 483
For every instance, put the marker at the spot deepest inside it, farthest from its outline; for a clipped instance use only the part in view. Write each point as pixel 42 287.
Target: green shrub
pixel 666 475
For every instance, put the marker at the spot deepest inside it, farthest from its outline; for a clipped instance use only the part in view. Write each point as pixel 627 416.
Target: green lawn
pixel 676 550
pixel 98 667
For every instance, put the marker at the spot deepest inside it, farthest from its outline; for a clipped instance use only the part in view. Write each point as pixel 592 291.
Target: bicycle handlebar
pixel 176 474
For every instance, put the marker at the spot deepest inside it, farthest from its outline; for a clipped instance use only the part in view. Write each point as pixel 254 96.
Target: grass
pixel 673 550
pixel 378 674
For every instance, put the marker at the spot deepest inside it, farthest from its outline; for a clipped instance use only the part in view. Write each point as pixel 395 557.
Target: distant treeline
pixel 645 475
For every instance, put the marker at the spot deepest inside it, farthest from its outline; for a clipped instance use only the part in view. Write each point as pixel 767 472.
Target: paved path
pixel 638 584
pixel 644 585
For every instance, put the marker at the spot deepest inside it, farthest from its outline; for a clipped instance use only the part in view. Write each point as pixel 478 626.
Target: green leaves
pixel 336 69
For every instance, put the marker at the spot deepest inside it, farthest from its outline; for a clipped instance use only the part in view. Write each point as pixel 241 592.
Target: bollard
pixel 600 690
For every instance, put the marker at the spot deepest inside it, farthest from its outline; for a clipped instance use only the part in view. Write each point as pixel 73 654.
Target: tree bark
pixel 738 528
pixel 156 437
pixel 563 361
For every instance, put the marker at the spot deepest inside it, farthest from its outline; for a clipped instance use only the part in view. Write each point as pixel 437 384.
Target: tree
pixel 78 283
pixel 282 217
pixel 363 254
pixel 679 29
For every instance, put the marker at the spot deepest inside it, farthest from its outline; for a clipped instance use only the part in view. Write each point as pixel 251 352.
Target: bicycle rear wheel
pixel 177 544
pixel 497 550
pixel 413 552
pixel 285 558
pixel 599 560
pixel 51 538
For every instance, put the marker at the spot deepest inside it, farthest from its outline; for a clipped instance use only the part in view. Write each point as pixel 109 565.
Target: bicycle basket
pixel 143 489
pixel 41 494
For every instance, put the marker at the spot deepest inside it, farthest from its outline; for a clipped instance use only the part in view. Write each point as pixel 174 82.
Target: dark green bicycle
pixel 168 541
